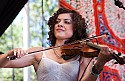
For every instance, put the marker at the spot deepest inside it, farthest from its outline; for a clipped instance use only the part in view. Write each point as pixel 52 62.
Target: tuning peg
pixel 119 54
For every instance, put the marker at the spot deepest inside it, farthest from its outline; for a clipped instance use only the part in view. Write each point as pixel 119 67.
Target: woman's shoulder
pixel 39 51
pixel 35 51
pixel 32 49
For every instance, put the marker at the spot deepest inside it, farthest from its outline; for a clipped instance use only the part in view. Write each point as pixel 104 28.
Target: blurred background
pixel 28 29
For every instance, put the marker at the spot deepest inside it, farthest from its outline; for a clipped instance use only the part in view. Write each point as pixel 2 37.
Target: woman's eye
pixel 57 21
pixel 67 22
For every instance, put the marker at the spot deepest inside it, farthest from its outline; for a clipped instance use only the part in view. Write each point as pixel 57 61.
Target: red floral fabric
pixel 103 16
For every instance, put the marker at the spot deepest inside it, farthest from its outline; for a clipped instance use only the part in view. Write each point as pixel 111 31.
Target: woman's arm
pixel 4 58
pixel 22 59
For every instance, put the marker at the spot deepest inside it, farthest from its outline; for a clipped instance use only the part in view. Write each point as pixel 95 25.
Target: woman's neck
pixel 60 42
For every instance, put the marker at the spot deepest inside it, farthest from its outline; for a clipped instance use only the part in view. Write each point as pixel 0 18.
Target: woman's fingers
pixel 105 50
pixel 104 55
pixel 19 52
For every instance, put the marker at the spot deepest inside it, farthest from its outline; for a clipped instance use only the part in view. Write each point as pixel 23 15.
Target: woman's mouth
pixel 60 30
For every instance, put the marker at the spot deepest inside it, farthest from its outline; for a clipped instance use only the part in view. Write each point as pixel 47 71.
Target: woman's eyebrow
pixel 68 19
pixel 63 19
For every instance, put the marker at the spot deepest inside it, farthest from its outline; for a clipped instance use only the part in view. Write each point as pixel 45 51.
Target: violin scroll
pixel 119 59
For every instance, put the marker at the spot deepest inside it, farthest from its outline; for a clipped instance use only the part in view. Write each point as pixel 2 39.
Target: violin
pixel 88 50
pixel 83 48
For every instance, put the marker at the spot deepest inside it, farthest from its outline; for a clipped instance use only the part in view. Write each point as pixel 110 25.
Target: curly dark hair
pixel 79 26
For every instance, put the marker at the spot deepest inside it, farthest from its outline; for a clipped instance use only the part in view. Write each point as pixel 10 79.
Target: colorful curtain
pixel 103 16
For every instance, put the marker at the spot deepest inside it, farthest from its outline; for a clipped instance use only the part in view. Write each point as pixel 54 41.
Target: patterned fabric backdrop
pixel 103 16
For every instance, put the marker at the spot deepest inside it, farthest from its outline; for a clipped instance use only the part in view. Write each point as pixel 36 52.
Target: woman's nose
pixel 60 24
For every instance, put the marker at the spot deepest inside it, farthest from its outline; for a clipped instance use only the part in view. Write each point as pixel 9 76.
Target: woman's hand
pixel 103 57
pixel 16 53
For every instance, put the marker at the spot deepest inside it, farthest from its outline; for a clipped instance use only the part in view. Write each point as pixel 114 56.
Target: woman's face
pixel 63 29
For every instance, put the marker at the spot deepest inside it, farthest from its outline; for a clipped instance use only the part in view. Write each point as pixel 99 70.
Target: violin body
pixel 88 50
pixel 81 49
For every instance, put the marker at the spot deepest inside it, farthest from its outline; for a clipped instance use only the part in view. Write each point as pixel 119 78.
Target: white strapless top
pixel 50 70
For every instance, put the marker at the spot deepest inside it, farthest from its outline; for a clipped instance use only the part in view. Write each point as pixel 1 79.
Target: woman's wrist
pixel 99 66
pixel 95 70
pixel 8 55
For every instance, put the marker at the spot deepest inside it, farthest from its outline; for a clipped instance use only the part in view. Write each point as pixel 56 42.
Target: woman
pixel 66 26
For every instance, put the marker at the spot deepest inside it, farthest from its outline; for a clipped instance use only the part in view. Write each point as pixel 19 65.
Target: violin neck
pixel 93 46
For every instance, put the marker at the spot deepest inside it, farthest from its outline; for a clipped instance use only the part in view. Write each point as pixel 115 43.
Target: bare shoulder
pixel 37 51
pixel 33 49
